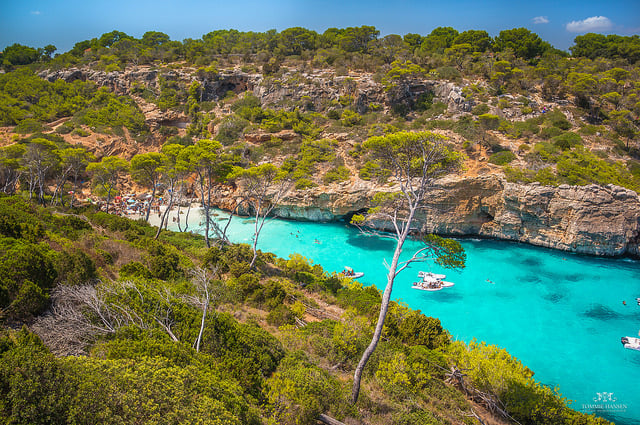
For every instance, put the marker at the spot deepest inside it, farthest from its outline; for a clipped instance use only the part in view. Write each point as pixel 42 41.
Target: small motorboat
pixel 431 286
pixel 430 275
pixel 630 342
pixel 348 272
pixel 431 282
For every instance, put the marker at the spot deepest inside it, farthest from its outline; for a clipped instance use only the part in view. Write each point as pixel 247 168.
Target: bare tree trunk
pixel 256 233
pixel 386 297
pixel 186 217
pixel 153 196
pixel 165 216
pixel 202 281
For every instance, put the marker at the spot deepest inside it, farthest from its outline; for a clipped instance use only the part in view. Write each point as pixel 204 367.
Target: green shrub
pixel 365 300
pixel 333 114
pixel 281 315
pixel 550 132
pixel 299 391
pixel 634 168
pixel 35 387
pixel 134 269
pixel 411 327
pixel 449 73
pixel 247 352
pixel 520 129
pixel 337 174
pixel 557 119
pixel 80 132
pixel 480 109
pixel 502 158
pixel 230 129
pixel 23 265
pixel 492 370
pixel 546 151
pixel 105 256
pixel 165 265
pixel 110 111
pixel 269 295
pixel 350 118
pixel 29 125
pixel 304 183
pixel 29 301
pixel 74 267
pixel 567 140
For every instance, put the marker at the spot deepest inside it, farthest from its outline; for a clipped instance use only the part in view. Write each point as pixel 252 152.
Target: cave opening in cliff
pixel 347 217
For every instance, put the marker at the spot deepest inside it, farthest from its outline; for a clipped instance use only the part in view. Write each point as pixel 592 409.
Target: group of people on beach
pixel 130 205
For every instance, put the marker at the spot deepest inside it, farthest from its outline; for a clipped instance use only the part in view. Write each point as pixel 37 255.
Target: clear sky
pixel 37 23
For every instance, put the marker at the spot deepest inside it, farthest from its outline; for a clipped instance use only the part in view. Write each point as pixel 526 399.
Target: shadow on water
pixel 531 278
pixel 371 243
pixel 444 296
pixel 532 262
pixel 601 312
pixel 554 297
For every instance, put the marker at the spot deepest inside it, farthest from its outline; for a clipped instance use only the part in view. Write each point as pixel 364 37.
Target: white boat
pixel 348 272
pixel 630 342
pixel 431 282
pixel 431 286
pixel 431 275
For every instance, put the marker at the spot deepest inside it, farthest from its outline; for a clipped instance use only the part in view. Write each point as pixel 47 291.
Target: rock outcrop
pixel 312 90
pixel 591 219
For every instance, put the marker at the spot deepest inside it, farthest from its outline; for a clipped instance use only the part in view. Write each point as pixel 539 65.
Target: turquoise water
pixel 561 314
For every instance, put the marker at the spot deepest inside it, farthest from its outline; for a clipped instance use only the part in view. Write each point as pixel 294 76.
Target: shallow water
pixel 561 314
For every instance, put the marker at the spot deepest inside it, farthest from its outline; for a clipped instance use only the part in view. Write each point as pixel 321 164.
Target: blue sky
pixel 37 23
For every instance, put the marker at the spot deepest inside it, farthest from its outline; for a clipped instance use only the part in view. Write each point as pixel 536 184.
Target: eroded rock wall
pixel 584 219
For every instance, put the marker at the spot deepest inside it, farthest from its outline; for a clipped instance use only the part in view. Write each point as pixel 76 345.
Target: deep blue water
pixel 561 314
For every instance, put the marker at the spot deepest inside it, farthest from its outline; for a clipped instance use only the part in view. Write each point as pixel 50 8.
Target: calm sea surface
pixel 561 314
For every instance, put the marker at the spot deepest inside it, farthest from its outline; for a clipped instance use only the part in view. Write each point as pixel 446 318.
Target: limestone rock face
pixel 584 219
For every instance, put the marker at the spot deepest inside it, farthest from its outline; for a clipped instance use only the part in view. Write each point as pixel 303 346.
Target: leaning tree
pixel 412 160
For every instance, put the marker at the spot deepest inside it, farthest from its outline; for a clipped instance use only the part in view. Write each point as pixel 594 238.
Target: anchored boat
pixel 630 342
pixel 431 282
pixel 348 272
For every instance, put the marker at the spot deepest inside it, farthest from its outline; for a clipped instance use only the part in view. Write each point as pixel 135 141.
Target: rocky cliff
pixel 583 219
pixel 315 88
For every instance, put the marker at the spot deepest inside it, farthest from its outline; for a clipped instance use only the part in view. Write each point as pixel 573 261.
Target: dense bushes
pixel 299 391
pixel 37 388
pixel 25 95
pixel 27 272
pixel 249 353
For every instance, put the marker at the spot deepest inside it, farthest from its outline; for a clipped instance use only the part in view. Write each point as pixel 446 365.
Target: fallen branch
pixel 329 420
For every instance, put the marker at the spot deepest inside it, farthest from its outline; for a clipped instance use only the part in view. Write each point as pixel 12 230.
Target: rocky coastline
pixel 593 220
